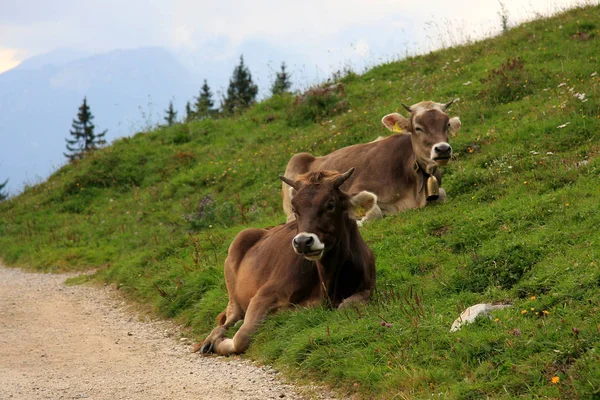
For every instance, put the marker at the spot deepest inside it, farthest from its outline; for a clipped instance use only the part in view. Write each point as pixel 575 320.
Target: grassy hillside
pixel 156 212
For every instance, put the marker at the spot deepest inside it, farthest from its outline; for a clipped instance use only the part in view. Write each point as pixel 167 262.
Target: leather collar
pixel 422 175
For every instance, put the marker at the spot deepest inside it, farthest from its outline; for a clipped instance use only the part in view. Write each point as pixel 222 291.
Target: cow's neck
pixel 403 152
pixel 428 176
pixel 329 266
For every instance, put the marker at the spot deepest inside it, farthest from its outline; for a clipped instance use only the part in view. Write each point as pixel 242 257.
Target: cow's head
pixel 321 209
pixel 429 126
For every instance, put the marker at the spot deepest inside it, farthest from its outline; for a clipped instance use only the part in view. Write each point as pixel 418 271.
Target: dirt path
pixel 59 342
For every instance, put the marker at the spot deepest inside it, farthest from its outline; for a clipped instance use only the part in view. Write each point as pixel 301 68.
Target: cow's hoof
pixel 207 348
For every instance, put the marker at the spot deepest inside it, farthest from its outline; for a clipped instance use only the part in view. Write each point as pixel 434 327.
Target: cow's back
pixel 369 159
pixel 380 165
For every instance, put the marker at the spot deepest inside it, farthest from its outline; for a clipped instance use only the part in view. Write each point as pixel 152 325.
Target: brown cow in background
pixel 393 172
pixel 320 255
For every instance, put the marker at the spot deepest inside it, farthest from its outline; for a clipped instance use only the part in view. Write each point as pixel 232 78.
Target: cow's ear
pixel 364 204
pixel 455 125
pixel 395 122
pixel 363 199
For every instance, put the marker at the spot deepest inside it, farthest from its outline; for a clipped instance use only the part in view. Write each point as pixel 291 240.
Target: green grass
pixel 156 213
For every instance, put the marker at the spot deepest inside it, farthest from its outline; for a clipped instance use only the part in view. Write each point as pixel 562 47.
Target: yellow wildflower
pixel 555 379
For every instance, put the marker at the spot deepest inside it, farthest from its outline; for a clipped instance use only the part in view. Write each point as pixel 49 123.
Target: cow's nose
pixel 303 243
pixel 442 149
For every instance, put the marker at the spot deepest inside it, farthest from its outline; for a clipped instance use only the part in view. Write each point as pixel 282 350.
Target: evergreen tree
pixel 282 82
pixel 241 92
pixel 84 139
pixel 189 113
pixel 3 194
pixel 204 102
pixel 171 117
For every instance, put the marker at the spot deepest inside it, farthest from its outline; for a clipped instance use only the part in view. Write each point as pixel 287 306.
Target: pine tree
pixel 282 82
pixel 171 117
pixel 241 92
pixel 189 113
pixel 204 102
pixel 3 194
pixel 84 139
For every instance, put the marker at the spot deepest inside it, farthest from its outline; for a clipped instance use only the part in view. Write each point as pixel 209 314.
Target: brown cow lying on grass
pixel 393 172
pixel 318 256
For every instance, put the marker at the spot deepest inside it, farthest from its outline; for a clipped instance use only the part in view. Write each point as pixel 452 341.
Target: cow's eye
pixel 294 210
pixel 418 129
pixel 448 127
pixel 331 206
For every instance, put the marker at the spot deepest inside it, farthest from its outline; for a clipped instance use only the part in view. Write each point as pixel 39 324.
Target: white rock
pixel 471 313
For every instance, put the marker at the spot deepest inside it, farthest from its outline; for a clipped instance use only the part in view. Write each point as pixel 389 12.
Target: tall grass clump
pixel 317 103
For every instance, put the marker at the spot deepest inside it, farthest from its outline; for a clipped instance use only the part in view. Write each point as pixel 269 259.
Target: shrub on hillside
pixel 179 134
pixel 317 104
pixel 211 213
pixel 582 31
pixel 502 267
pixel 509 82
pixel 107 168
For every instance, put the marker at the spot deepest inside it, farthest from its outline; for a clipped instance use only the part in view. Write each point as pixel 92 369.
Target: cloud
pixel 307 27
pixel 9 58
pixel 362 48
pixel 37 25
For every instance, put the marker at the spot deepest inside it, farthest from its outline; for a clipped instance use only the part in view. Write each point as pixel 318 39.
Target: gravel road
pixel 60 342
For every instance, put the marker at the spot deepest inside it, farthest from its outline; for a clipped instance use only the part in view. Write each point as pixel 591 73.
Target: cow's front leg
pixel 260 306
pixel 232 314
pixel 359 297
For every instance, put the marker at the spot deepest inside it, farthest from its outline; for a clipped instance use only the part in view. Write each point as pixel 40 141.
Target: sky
pixel 325 32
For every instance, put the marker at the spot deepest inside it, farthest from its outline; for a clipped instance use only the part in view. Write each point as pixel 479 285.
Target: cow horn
pixel 339 180
pixel 448 104
pixel 289 181
pixel 406 107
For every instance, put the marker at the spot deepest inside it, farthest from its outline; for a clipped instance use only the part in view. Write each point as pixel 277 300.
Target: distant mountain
pixel 58 58
pixel 126 90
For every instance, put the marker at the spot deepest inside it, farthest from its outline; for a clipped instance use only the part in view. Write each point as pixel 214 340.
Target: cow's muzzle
pixel 308 245
pixel 441 153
